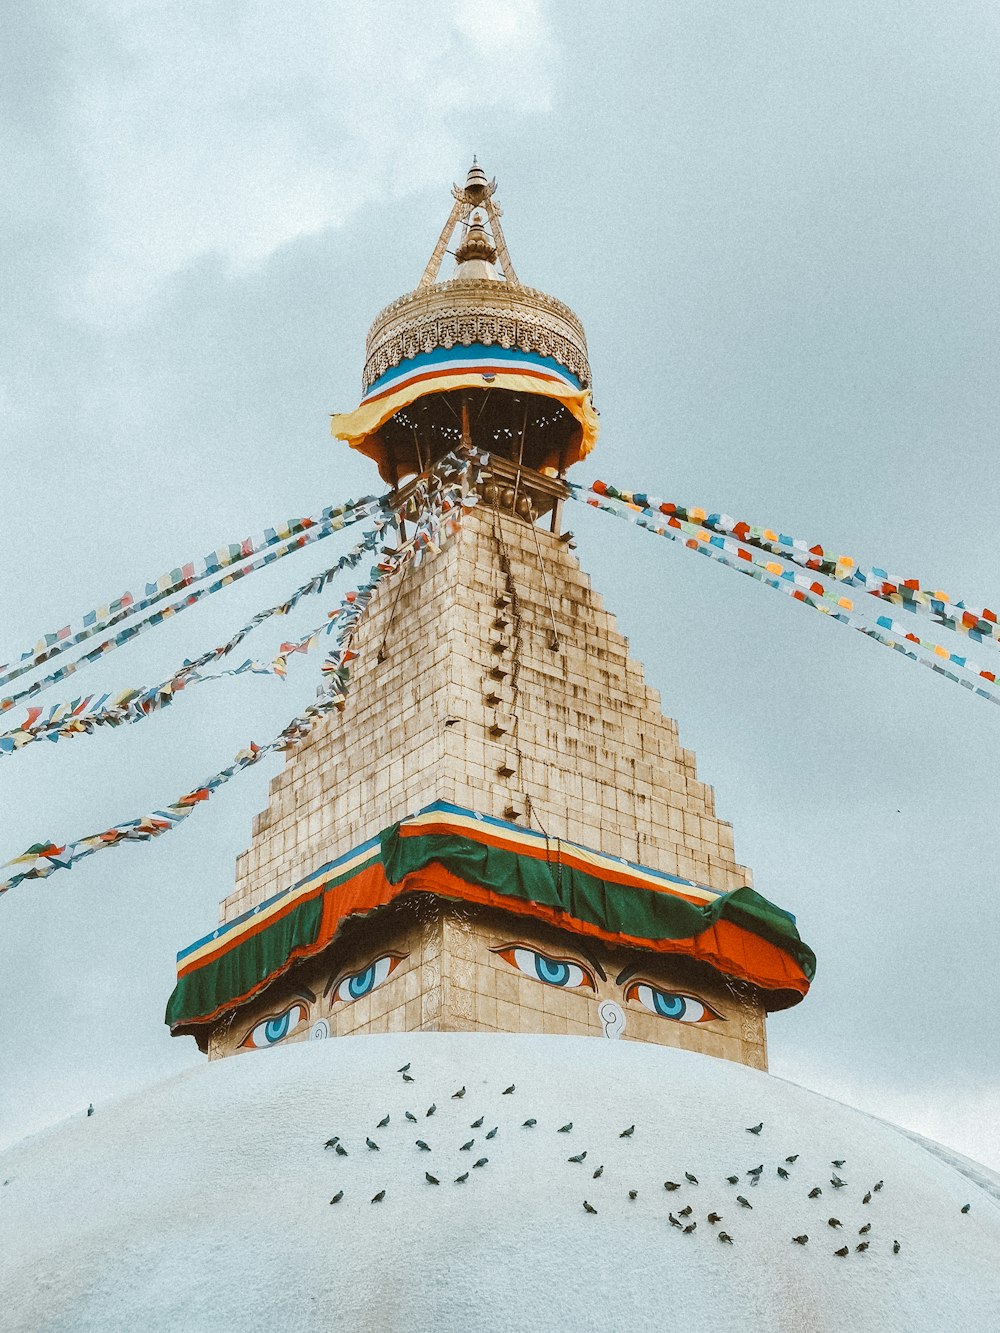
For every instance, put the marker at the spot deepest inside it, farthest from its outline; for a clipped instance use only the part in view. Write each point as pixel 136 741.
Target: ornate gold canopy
pixel 479 332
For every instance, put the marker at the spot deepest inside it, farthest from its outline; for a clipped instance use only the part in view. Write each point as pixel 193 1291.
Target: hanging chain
pixel 510 589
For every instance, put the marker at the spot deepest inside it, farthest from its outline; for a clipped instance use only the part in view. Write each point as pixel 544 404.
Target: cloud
pixel 236 128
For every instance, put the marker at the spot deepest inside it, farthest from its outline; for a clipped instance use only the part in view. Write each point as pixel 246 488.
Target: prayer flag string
pixel 884 631
pixel 441 497
pixel 357 514
pixel 101 618
pixel 980 625
pixel 83 716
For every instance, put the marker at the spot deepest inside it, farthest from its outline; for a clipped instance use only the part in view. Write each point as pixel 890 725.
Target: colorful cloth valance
pixel 474 367
pixel 456 854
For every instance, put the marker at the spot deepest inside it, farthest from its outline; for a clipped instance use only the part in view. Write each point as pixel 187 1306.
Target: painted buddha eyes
pixel 357 985
pixel 273 1030
pixel 665 1004
pixel 552 971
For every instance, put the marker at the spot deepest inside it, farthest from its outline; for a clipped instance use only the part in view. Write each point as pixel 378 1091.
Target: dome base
pixel 205 1202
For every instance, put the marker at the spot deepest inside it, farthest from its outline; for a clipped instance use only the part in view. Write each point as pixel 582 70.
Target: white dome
pixel 204 1202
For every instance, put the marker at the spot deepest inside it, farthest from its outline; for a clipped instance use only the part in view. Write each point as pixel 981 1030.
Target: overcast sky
pixel 778 223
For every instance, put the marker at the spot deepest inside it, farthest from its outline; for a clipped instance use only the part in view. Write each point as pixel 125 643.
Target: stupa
pixel 513 979
pixel 501 832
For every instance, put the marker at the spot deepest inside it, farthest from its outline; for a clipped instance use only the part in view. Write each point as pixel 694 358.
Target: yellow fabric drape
pixel 359 428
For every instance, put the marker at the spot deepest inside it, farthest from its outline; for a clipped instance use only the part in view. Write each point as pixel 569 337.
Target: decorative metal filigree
pixel 463 312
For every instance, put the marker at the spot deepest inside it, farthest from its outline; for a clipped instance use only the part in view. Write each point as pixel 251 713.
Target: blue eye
pixel 272 1030
pixel 681 1008
pixel 276 1028
pixel 669 1006
pixel 359 984
pixel 552 971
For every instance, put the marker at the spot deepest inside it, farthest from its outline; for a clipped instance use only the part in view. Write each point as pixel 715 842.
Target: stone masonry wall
pixel 600 762
pixel 450 702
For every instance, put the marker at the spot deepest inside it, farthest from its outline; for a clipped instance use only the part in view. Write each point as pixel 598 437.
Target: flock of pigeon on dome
pixel 701 1198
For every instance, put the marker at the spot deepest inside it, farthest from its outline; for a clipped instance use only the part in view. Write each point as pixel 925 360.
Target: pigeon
pixel 755 1129
pixel 493 1132
pixel 627 1133
pixel 379 1197
pixel 332 1143
pixel 756 1170
pixel 90 1109
pixel 783 1173
pixel 633 1194
pixel 410 1116
pixel 373 1145
pixel 800 1240
pixel 685 1212
pixel 744 1203
pixel 587 1208
pixel 725 1237
pixel 671 1185
pixel 382 1123
pixel 896 1247
pixel 340 1150
pixel 862 1247
pixel 599 1172
pixel 431 1180
pixel 732 1180
pixel 834 1222
pixel 689 1228
pixel 466 1146
pixel 565 1129
pixel 508 1091
pixel 478 1124
pixel 794 1158
pixel 674 1222
pixel 424 1147
pixel 815 1193
pixel 836 1182
pixel 578 1158
pixel 482 1162
pixel 843 1252
pixel 337 1197
pixel 714 1217
pixel 863 1231
pixel 460 1180
pixel 692 1180
pixel 839 1164
pixel 408 1078
pixel 456 1095
pixel 966 1207
pixel 404 1069
pixel 431 1109
pixel 877 1186
pixel 868 1197
pixel 529 1124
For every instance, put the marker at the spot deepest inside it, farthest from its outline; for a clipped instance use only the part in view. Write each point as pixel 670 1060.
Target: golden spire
pixel 478 192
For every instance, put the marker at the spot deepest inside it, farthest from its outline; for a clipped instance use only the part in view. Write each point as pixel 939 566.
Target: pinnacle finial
pixel 476 183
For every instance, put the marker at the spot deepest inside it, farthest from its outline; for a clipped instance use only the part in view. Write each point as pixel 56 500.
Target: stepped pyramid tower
pixel 501 830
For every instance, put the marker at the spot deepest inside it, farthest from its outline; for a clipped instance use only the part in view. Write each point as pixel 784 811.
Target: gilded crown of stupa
pixel 478 331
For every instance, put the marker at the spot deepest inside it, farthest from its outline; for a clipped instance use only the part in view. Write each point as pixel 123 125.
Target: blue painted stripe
pixel 511 358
